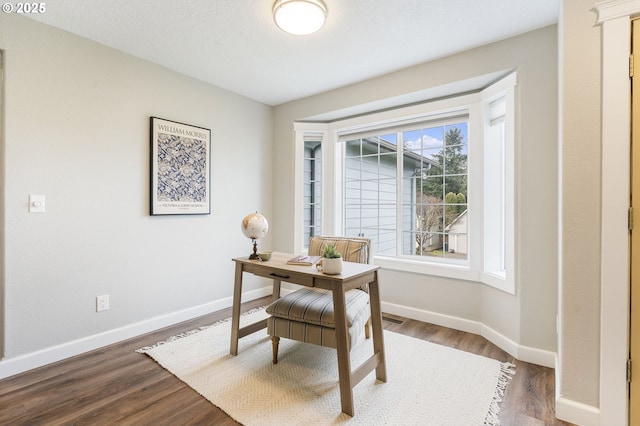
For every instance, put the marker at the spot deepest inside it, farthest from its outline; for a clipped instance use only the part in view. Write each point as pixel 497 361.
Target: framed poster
pixel 180 168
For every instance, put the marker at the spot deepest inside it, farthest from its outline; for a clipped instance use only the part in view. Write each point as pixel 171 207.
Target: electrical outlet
pixel 102 303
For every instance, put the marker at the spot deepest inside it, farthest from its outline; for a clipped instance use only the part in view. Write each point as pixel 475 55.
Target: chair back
pixel 353 249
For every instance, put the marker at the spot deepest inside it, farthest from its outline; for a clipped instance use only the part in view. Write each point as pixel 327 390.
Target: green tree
pixel 455 204
pixel 461 200
pixel 451 209
pixel 450 172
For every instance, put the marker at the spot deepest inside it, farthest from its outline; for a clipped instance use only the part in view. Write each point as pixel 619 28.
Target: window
pixel 312 189
pixel 428 180
pixel 430 184
pixel 435 191
pixel 311 204
pixel 498 105
pixel 494 183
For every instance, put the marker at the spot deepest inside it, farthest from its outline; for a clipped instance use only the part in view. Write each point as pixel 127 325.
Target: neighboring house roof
pixel 413 155
pixel 456 220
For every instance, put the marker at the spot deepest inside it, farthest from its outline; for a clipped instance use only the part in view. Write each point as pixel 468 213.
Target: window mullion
pixel 399 198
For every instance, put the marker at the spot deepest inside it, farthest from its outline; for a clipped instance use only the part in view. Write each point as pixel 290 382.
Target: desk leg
pixel 342 343
pixel 235 312
pixel 376 325
pixel 276 290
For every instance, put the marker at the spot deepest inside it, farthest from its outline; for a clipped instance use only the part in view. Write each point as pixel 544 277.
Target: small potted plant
pixel 331 260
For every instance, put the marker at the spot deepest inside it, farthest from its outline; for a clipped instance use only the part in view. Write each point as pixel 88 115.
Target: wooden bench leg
pixel 275 340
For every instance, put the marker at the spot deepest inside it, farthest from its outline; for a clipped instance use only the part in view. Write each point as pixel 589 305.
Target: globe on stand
pixel 255 226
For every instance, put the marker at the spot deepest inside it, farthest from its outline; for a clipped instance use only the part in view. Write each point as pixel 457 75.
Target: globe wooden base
pixel 254 255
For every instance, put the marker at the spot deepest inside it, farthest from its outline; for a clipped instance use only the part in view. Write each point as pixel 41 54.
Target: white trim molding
pixel 614 16
pixel 518 351
pixel 581 414
pixel 612 9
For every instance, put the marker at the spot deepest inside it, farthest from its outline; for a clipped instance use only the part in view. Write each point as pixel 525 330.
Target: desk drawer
pixel 283 275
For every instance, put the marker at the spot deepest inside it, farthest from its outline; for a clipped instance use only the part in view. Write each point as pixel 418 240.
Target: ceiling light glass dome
pixel 299 17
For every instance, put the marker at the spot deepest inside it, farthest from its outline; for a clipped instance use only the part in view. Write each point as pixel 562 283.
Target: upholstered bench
pixel 307 314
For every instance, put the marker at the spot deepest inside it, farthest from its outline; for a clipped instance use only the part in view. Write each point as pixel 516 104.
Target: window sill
pixel 461 272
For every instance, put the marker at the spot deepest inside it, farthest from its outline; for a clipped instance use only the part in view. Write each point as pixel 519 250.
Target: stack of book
pixel 304 260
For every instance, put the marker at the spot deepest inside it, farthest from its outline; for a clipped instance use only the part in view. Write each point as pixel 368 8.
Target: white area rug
pixel 427 384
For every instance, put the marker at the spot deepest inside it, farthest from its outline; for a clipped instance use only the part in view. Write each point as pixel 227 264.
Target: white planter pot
pixel 331 266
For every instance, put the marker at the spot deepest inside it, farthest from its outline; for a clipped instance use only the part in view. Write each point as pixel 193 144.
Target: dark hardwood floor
pixel 115 385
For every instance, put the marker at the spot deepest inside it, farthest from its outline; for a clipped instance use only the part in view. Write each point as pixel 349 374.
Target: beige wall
pixel 77 131
pixel 579 201
pixel 528 318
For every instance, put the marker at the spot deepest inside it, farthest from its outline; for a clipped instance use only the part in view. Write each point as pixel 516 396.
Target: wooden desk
pixel 353 275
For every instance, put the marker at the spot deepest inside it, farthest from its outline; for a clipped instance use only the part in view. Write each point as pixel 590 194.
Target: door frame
pixel 614 17
pixel 3 320
pixel 634 235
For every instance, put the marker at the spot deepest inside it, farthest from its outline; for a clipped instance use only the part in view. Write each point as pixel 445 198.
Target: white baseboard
pixel 518 351
pixel 432 317
pixel 576 412
pixel 12 366
pixel 20 364
pixel 522 352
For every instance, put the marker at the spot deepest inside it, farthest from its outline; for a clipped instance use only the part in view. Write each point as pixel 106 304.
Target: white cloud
pixel 427 143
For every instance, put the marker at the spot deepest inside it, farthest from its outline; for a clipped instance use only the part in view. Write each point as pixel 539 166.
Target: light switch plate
pixel 36 203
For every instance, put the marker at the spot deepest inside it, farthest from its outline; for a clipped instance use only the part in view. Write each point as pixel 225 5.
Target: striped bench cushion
pixel 315 306
pixel 315 334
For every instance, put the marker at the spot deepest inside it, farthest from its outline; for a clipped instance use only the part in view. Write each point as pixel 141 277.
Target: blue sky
pixel 429 141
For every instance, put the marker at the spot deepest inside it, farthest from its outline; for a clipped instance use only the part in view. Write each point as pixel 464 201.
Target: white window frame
pixel 498 266
pixel 302 132
pixel 476 107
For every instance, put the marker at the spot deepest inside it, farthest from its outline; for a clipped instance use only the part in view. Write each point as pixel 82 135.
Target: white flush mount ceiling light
pixel 299 17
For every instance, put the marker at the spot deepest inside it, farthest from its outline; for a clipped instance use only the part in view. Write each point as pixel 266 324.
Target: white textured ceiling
pixel 235 44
